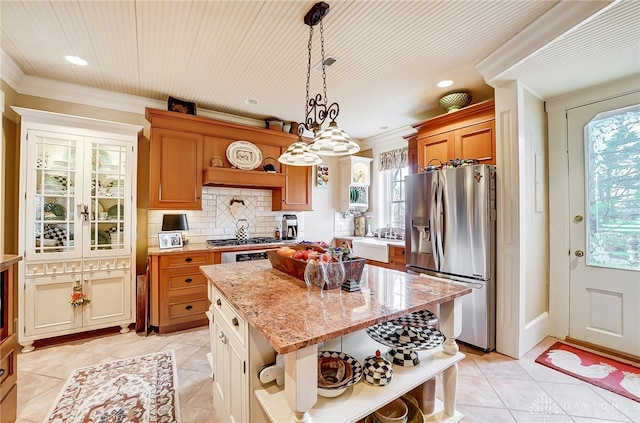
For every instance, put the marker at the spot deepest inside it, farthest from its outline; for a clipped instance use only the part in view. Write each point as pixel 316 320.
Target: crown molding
pixel 9 71
pixel 89 96
pixel 562 19
pixel 396 136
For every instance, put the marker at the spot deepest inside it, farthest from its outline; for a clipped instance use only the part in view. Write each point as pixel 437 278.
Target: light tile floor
pixel 492 387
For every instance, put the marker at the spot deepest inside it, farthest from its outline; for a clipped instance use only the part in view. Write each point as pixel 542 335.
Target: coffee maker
pixel 289 226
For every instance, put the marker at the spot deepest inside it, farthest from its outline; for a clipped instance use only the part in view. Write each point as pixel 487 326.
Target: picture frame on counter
pixel 169 240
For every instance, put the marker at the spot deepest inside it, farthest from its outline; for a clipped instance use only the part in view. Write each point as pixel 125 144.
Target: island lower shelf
pixel 361 399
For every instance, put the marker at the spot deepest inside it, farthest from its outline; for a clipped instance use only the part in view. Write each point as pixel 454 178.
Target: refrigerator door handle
pixel 439 225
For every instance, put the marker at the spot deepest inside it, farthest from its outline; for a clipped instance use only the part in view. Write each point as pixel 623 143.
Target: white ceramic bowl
pixel 331 393
pixel 394 412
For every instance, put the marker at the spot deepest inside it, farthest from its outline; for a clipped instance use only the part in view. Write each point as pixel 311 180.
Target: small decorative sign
pixel 322 176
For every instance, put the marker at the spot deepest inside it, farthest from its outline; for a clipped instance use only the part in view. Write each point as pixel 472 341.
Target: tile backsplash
pixel 215 220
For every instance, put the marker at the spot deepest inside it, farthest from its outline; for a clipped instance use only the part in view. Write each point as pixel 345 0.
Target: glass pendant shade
pixel 297 155
pixel 333 141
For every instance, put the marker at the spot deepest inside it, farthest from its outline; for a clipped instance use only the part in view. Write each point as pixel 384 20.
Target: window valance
pixel 394 159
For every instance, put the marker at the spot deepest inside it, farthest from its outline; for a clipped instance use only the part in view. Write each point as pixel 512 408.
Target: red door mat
pixel 607 373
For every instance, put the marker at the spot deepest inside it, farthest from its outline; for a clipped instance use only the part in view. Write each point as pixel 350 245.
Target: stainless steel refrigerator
pixel 450 233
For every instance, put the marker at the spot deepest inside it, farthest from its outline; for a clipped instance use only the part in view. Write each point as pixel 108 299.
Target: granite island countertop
pixel 290 316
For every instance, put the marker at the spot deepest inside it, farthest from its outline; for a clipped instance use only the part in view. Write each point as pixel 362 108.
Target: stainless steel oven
pixel 252 251
pixel 236 256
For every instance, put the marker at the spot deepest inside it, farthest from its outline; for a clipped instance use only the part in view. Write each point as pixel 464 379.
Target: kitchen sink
pixel 372 249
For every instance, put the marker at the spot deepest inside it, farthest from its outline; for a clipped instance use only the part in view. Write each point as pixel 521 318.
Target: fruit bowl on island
pixel 293 261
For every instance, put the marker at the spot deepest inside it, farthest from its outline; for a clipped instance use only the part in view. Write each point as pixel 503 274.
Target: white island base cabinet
pixel 361 399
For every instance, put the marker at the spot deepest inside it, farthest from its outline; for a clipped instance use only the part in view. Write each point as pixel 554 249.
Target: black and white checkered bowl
pixel 355 366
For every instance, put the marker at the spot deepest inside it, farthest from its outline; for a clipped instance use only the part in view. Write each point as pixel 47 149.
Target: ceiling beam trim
pixel 563 18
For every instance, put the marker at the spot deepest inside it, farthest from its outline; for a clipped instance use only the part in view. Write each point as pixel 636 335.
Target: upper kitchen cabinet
pixel 355 175
pixel 189 151
pixel 467 133
pixel 297 191
pixel 175 180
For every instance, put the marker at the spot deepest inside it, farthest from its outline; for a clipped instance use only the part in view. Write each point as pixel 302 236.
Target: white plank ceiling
pixel 390 54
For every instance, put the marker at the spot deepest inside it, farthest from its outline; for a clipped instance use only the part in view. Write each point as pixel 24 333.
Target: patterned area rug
pixel 607 373
pixel 138 389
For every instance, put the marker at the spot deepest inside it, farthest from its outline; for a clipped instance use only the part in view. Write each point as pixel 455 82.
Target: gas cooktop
pixel 234 241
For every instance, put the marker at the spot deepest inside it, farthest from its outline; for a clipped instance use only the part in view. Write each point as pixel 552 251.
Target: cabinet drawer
pixel 183 260
pixel 396 253
pixel 184 281
pixel 8 364
pixel 188 308
pixel 227 313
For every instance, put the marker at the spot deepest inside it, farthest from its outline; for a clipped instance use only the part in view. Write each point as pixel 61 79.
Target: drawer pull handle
pixel 219 302
pixel 235 321
pixel 1 372
pixel 188 280
pixel 188 259
pixel 189 307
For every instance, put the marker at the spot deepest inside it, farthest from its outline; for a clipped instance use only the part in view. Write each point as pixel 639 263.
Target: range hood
pixel 226 177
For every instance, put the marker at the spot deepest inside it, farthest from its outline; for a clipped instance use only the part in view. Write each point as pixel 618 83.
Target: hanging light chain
pixel 324 74
pixel 306 102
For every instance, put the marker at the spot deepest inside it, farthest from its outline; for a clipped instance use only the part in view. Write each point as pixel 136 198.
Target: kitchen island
pixel 259 311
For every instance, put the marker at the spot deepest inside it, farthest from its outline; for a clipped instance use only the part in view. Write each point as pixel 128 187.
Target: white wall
pixel 521 299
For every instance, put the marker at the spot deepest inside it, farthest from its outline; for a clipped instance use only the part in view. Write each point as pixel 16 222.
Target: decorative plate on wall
pixel 244 155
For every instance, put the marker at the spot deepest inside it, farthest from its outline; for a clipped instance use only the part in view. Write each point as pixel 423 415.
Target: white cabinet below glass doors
pixel 76 224
pixel 78 196
pixel 48 312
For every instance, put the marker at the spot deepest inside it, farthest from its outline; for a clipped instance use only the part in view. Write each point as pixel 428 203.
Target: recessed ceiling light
pixel 250 101
pixel 76 60
pixel 446 83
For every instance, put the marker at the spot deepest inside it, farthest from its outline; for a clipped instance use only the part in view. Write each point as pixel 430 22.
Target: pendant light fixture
pixel 331 141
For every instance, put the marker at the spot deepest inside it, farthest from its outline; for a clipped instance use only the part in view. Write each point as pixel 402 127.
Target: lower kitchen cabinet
pixel 228 335
pixel 178 290
pixel 8 338
pixel 48 312
pixel 397 257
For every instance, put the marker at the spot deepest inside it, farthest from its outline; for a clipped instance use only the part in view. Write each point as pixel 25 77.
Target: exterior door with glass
pixel 604 177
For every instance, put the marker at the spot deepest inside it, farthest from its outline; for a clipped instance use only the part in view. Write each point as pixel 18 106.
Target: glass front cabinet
pixel 77 228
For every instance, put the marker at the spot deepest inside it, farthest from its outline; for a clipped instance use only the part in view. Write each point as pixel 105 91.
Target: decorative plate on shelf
pixel 394 335
pixel 244 155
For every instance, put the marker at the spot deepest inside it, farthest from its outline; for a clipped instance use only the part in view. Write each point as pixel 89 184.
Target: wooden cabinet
pixel 297 191
pixel 175 174
pixel 178 290
pixel 181 151
pixel 468 133
pixel 397 258
pixel 229 346
pixel 8 338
